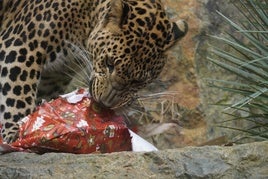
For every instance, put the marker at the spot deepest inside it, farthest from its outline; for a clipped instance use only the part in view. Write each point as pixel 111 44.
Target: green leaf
pixel 248 59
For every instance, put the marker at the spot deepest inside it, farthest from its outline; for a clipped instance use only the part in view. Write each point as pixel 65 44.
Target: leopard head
pixel 128 49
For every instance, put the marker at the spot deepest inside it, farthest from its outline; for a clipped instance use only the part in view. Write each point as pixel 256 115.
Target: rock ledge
pixel 241 161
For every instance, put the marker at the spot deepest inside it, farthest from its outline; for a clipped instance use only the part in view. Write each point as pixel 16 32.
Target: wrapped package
pixel 74 123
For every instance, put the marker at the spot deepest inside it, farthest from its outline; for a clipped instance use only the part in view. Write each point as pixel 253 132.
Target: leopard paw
pixel 10 134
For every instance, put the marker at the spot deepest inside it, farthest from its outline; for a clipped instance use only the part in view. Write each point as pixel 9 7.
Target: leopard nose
pixel 105 94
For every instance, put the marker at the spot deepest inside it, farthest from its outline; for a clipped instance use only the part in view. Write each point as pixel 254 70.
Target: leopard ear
pixel 117 14
pixel 179 30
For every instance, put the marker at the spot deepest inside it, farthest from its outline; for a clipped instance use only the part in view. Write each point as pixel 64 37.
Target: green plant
pixel 247 57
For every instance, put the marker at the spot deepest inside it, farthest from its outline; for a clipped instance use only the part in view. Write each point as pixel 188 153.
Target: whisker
pixel 80 83
pixel 157 95
pixel 160 104
pixel 74 71
pixel 80 64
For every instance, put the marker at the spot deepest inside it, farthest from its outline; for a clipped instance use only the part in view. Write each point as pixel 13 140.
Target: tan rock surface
pixel 243 161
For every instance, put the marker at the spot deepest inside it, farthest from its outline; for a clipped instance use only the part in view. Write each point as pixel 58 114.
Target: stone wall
pixel 243 161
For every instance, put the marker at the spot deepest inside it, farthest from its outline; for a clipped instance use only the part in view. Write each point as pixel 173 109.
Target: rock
pixel 187 75
pixel 241 161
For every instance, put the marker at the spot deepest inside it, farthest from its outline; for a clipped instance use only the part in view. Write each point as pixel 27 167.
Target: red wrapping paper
pixel 80 127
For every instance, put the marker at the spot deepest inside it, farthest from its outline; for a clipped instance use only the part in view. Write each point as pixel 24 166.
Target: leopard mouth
pixel 113 100
pixel 108 96
pixel 110 99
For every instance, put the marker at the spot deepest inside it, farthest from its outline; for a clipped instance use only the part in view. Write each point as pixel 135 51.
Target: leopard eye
pixel 109 64
pixel 135 82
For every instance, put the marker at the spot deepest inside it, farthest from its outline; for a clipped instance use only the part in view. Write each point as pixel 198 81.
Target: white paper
pixel 139 144
pixel 73 97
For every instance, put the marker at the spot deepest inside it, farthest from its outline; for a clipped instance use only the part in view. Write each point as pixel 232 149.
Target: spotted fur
pixel 127 40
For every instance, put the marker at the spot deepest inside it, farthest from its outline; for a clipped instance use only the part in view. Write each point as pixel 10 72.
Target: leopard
pixel 127 40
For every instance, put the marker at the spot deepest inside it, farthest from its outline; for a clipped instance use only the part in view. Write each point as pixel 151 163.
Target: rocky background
pixel 190 105
pixel 186 107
